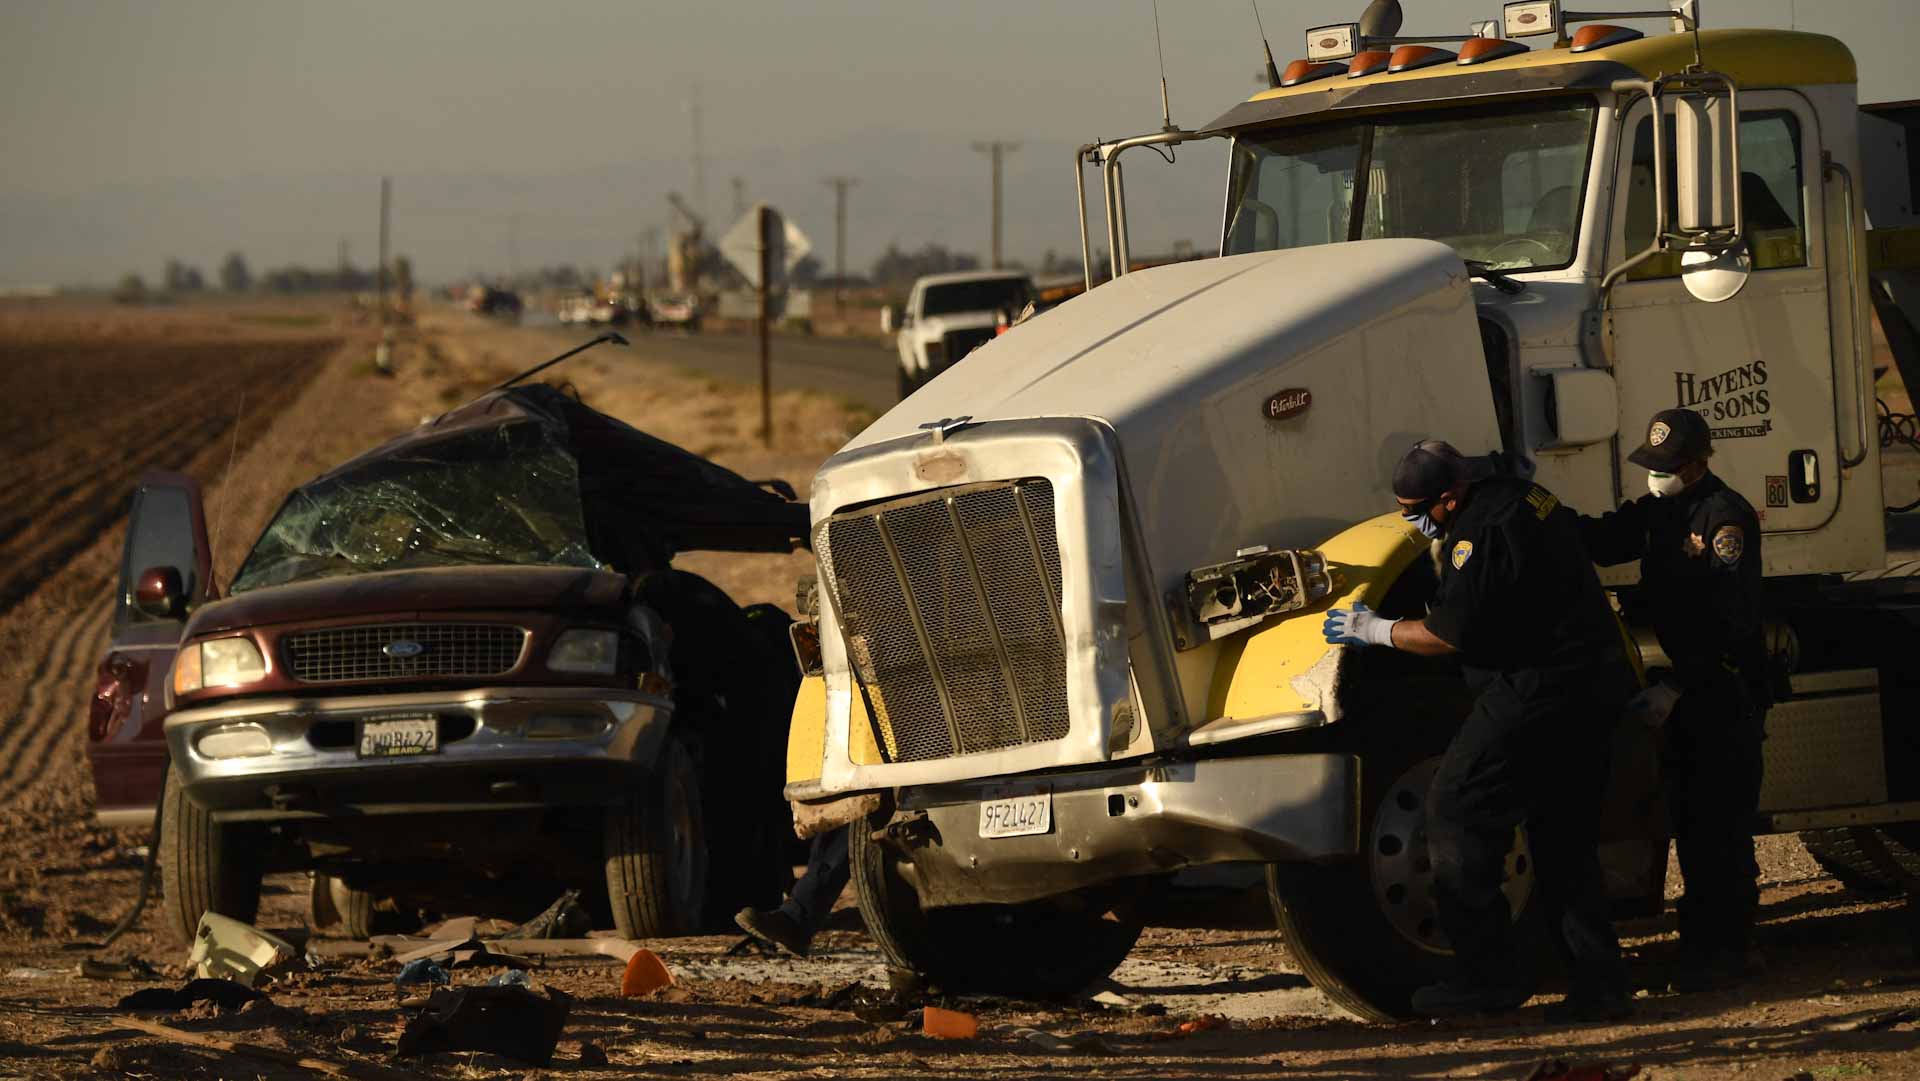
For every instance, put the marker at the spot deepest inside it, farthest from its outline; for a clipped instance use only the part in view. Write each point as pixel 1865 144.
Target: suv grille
pixel 950 605
pixel 961 342
pixel 338 654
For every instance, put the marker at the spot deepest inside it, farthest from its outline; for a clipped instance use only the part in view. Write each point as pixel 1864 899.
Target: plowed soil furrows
pixel 89 417
pixel 46 720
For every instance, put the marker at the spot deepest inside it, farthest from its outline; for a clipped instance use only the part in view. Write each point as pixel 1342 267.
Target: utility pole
pixel 383 353
pixel 699 155
pixel 739 196
pixel 380 277
pixel 766 225
pixel 996 149
pixel 840 184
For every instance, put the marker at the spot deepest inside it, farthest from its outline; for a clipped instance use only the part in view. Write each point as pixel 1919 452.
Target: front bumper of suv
pixel 494 752
pixel 1121 822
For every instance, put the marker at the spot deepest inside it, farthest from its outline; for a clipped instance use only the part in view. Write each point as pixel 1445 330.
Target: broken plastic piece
pixel 226 949
pixel 513 977
pixel 509 1021
pixel 420 971
pixel 565 918
pixel 645 974
pixel 948 1024
pixel 133 968
pixel 1080 1043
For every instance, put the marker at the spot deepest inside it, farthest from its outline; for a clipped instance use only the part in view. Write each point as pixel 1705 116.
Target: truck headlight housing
pixel 1254 586
pixel 218 662
pixel 591 652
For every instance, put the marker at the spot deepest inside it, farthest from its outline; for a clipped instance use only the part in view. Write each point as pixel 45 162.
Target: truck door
pixel 1759 367
pixel 166 547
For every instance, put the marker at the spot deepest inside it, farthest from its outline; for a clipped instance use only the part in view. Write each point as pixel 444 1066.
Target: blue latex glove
pixel 1654 705
pixel 1358 626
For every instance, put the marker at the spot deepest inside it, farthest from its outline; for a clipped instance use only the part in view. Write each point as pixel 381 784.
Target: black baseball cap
pixel 1675 437
pixel 1432 468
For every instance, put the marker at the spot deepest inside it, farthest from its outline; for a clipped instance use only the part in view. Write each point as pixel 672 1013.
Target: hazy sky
pixel 134 131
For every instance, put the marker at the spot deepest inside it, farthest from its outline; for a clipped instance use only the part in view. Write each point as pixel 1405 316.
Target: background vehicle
pixel 1070 597
pixel 947 316
pixel 461 667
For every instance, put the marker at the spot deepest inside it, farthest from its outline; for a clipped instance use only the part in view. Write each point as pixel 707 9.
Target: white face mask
pixel 1665 485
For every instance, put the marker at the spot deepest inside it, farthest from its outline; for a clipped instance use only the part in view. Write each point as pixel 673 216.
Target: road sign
pixel 741 247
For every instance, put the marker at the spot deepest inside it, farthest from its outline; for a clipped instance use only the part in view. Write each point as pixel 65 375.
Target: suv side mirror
pixel 160 593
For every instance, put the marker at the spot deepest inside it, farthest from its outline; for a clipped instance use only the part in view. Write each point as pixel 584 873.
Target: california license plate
pixel 399 737
pixel 1019 816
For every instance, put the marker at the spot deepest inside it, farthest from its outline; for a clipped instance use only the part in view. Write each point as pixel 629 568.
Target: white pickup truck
pixel 947 316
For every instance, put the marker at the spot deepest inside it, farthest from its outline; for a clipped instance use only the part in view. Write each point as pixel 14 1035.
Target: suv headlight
pixel 587 651
pixel 218 662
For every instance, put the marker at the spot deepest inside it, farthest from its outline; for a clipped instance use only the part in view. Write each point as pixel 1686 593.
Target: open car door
pixel 166 571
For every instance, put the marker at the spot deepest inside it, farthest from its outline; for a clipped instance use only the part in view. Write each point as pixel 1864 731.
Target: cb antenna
pixel 1273 73
pixel 1166 112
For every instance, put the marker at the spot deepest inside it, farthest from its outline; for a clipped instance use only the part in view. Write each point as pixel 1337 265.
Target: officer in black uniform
pixel 1698 543
pixel 1519 601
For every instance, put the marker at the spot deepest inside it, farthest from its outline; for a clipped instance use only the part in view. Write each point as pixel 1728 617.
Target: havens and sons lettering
pixel 1737 394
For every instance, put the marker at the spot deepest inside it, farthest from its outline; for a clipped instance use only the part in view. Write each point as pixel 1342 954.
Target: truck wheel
pixel 1365 931
pixel 655 847
pixel 204 867
pixel 1840 856
pixel 358 912
pixel 1040 949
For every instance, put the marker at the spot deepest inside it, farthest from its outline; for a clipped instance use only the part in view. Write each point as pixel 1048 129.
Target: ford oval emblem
pixel 402 649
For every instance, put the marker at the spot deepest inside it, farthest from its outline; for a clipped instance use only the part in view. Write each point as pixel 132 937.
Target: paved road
pixel 853 368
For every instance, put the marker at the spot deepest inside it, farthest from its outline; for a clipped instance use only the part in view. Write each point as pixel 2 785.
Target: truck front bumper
pixel 491 754
pixel 1116 823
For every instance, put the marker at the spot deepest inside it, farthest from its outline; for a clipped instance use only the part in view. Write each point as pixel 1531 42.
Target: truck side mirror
pixel 890 319
pixel 1583 407
pixel 1707 172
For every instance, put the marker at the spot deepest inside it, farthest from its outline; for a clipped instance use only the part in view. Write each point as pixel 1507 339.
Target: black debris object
pixel 509 1021
pixel 225 994
pixel 565 918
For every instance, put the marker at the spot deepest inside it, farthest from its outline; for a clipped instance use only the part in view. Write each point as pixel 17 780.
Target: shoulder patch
pixel 1729 541
pixel 1462 552
pixel 1542 501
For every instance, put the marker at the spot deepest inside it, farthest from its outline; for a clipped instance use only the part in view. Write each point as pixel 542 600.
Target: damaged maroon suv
pixel 459 673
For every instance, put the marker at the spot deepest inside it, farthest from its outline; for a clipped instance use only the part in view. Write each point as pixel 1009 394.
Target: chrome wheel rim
pixel 1402 872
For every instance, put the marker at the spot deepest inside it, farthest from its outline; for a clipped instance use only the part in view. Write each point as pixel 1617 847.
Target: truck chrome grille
pixel 950 605
pixel 339 654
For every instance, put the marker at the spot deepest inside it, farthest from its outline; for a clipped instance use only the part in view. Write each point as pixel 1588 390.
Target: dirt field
pixel 1841 998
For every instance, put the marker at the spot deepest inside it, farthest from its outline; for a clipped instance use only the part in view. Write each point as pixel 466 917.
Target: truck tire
pixel 204 866
pixel 655 845
pixel 1364 930
pixel 1839 855
pixel 1040 949
pixel 358 913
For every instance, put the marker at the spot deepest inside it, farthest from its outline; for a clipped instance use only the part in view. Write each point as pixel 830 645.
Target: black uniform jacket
pixel 1699 555
pixel 1517 591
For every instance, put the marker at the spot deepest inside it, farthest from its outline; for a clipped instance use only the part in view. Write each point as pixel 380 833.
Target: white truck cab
pixel 948 316
pixel 1070 594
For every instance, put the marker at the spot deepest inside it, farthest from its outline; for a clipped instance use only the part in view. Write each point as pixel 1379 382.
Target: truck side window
pixel 1772 192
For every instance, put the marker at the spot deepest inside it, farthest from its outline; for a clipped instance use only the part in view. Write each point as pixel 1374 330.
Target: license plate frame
pixel 1017 816
pixel 408 736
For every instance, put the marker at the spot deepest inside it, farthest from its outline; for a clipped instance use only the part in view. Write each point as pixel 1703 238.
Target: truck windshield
pixel 981 296
pixel 1500 185
pixel 503 495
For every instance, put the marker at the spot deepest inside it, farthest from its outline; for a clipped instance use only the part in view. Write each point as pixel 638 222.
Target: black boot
pixel 1467 998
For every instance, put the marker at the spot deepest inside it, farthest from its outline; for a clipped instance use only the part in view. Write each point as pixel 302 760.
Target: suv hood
pixel 404 593
pixel 935 326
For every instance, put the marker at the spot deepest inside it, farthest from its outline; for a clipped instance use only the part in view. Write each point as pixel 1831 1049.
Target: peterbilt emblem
pixel 402 649
pixel 1288 403
pixel 1329 43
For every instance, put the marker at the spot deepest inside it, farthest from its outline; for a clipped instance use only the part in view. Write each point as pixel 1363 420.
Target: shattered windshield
pixel 1500 185
pixel 505 495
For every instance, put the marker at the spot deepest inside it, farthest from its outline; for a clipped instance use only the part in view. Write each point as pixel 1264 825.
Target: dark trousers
pixel 1534 751
pixel 1712 773
pixel 826 876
